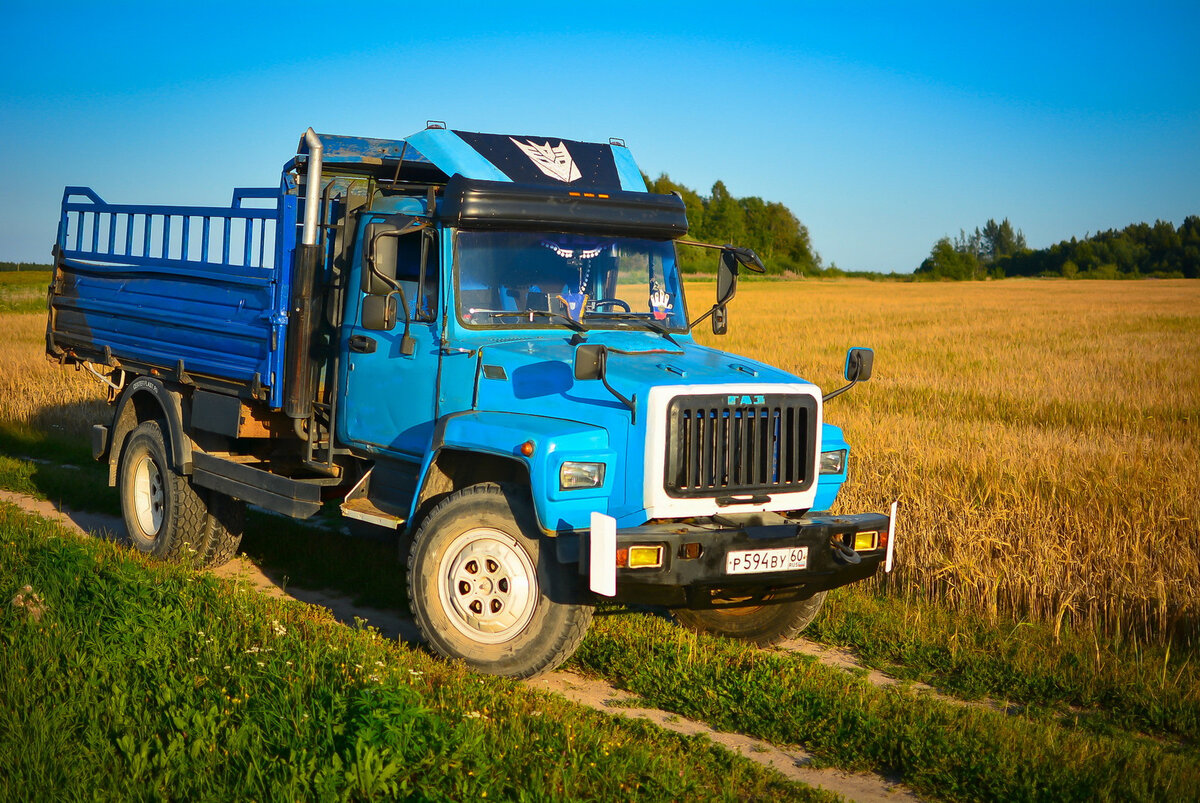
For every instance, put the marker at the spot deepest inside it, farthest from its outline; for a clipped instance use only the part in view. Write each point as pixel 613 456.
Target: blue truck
pixel 480 342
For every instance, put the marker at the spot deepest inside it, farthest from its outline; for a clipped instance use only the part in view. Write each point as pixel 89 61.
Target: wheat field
pixel 1042 437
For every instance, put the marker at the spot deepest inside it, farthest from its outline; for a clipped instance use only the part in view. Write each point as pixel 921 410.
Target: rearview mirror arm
pixel 715 307
pixel 630 403
pixel 833 393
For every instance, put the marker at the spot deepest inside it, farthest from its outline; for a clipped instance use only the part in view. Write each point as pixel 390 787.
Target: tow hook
pixel 844 552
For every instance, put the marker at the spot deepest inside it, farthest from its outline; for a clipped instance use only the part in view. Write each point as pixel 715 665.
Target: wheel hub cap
pixel 487 585
pixel 148 496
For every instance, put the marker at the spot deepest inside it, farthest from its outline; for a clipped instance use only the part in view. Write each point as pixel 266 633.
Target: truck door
pixel 389 398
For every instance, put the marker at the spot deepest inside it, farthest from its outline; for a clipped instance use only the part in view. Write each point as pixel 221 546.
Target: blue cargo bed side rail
pixel 154 285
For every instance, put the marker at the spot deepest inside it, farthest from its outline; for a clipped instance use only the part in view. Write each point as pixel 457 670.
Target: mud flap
pixel 602 566
pixel 891 547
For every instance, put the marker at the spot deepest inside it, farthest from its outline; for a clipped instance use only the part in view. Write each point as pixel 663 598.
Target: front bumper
pixel 828 565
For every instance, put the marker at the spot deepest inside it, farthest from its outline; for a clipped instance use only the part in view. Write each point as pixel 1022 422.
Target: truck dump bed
pixel 176 290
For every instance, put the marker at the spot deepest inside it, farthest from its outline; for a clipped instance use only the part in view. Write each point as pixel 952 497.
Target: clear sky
pixel 883 126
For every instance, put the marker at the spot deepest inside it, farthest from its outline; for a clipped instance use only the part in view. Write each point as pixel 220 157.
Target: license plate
pixel 767 560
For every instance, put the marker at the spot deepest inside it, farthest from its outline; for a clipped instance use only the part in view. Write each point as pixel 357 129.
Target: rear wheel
pixel 226 521
pixel 762 619
pixel 483 589
pixel 164 516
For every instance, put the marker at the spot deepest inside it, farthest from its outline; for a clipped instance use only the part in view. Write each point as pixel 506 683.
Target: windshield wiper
pixel 570 322
pixel 652 325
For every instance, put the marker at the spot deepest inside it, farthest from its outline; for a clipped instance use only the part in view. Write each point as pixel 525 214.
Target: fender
pixel 126 418
pixel 553 442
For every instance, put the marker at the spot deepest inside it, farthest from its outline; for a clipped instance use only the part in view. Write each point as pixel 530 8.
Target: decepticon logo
pixel 553 160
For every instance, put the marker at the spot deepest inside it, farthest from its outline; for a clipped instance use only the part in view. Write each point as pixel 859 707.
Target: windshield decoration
pixel 553 160
pixel 660 301
pixel 575 303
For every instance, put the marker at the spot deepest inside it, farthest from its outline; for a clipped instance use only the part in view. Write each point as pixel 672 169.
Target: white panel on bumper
pixel 602 554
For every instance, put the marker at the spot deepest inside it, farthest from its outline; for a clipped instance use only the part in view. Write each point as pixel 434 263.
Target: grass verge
pixel 121 679
pixel 23 291
pixel 1101 684
pixel 942 750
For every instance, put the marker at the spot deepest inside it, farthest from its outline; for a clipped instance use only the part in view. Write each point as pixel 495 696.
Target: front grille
pixel 717 445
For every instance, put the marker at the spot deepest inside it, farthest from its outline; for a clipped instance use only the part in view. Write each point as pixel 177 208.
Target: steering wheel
pixel 607 301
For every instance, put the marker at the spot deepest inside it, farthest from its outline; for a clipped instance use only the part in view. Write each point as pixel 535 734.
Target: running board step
pixel 364 509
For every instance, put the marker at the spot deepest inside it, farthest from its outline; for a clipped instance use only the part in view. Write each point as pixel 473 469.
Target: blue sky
pixel 882 126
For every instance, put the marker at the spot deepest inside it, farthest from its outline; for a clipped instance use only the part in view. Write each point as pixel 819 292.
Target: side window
pixel 402 262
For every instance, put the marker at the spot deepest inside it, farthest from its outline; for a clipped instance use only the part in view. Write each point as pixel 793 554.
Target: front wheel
pixel 761 619
pixel 482 588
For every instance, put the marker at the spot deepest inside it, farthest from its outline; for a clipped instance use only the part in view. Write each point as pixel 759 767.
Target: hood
pixel 543 368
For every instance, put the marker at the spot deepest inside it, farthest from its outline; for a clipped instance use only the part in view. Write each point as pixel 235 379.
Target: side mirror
pixel 382 250
pixel 858 364
pixel 591 361
pixel 731 260
pixel 747 257
pixel 727 273
pixel 858 369
pixel 379 313
pixel 720 321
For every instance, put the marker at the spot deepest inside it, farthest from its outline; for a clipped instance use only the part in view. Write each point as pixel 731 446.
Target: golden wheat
pixel 1043 437
pixel 37 393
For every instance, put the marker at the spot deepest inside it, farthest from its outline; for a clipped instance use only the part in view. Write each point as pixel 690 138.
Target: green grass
pixel 23 291
pixel 121 679
pixel 939 749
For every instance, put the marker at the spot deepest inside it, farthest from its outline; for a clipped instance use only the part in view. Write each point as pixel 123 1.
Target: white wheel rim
pixel 487 585
pixel 148 496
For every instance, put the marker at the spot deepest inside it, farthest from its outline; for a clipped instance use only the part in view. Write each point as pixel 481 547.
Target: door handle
pixel 363 344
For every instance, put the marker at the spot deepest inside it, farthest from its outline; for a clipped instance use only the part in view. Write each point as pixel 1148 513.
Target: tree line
pixel 769 227
pixel 1138 250
pixel 14 266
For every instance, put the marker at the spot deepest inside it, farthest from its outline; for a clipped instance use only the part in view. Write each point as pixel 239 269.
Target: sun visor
pixel 540 160
pixel 550 161
pixel 478 204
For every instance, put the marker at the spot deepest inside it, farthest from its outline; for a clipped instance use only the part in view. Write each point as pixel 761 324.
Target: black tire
pixel 164 516
pixel 226 521
pixel 761 619
pixel 482 588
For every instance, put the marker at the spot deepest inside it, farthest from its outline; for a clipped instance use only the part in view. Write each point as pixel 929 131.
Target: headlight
pixel 833 462
pixel 580 475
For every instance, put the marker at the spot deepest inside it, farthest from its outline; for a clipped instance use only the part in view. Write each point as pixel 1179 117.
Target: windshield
pixel 547 279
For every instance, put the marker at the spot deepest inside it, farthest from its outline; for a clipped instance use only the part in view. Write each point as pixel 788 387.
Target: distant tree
pixel 945 261
pixel 769 227
pixel 724 218
pixel 1000 240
